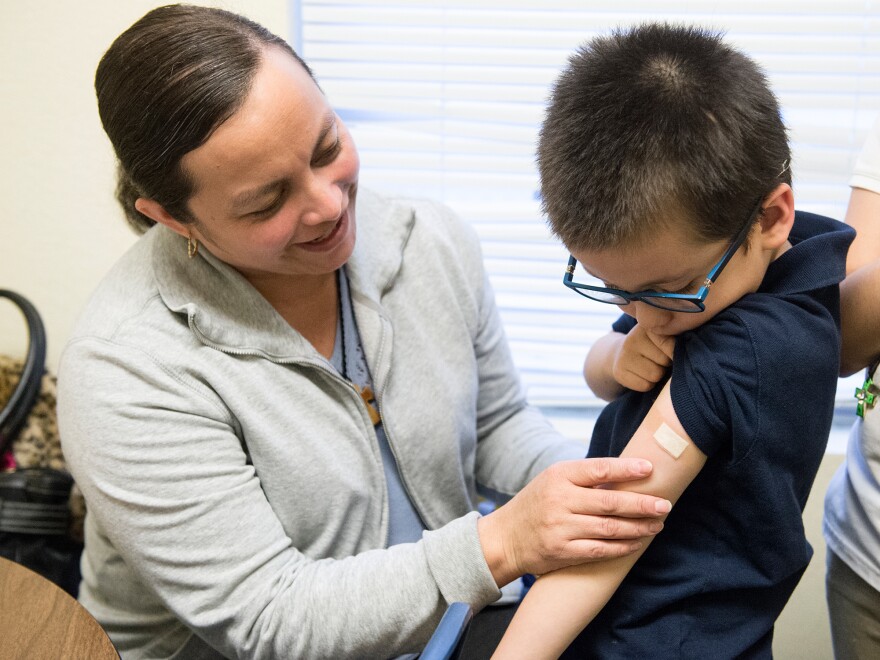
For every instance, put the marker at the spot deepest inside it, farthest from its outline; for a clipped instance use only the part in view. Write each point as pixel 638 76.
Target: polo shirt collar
pixel 812 261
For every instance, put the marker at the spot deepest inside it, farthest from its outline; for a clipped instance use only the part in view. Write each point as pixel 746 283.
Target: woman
pixel 279 429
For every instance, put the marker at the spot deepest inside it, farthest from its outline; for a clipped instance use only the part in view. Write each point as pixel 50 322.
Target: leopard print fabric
pixel 38 444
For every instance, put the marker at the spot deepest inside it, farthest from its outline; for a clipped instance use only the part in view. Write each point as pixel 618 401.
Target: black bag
pixel 35 514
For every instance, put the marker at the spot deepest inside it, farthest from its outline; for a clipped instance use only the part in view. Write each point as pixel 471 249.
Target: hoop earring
pixel 192 247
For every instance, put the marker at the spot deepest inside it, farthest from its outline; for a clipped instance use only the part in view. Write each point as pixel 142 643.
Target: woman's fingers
pixel 617 503
pixel 588 550
pixel 598 471
pixel 563 518
pixel 613 527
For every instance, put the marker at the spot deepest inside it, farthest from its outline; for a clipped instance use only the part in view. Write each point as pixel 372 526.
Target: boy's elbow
pixel 606 389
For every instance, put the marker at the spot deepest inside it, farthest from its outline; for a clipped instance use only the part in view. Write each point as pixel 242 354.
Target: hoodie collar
pixel 225 311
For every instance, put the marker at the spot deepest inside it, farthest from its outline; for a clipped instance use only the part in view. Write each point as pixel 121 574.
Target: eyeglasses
pixel 675 302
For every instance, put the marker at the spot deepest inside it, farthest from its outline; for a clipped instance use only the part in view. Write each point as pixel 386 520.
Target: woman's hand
pixel 560 519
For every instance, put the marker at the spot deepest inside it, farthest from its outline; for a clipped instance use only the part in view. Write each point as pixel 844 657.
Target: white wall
pixel 60 226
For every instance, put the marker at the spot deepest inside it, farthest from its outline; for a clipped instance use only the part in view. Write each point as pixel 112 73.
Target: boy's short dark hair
pixel 658 122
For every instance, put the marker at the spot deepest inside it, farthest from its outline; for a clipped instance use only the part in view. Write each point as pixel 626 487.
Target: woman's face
pixel 275 184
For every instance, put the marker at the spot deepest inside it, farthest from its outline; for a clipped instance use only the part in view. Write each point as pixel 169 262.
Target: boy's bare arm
pixel 635 361
pixel 560 604
pixel 859 303
pixel 598 366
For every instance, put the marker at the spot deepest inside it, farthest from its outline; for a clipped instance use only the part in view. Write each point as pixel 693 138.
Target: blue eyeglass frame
pixel 655 298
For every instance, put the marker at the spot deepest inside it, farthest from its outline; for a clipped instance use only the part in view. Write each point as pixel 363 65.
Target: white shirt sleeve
pixel 867 170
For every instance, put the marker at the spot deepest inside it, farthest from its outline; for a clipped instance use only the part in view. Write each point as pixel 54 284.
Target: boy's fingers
pixel 632 381
pixel 666 344
pixel 653 350
pixel 642 375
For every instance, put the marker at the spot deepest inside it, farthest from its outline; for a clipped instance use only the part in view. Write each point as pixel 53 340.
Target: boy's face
pixel 672 261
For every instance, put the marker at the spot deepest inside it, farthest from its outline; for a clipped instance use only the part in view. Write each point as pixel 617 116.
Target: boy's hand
pixel 641 359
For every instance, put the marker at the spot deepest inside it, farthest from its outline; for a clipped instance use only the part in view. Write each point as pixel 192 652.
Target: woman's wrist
pixel 495 550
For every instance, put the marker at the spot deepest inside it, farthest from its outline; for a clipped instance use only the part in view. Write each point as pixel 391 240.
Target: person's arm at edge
pixel 560 604
pixel 859 302
pixel 863 215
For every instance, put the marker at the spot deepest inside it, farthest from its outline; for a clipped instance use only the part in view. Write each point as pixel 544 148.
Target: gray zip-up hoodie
pixel 236 498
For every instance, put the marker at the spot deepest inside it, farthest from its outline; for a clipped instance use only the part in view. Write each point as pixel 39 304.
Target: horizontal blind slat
pixel 444 100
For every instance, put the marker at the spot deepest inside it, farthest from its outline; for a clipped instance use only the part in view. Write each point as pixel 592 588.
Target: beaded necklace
pixel 366 392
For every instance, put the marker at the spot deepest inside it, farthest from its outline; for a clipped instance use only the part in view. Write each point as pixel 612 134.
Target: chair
pixel 40 620
pixel 448 638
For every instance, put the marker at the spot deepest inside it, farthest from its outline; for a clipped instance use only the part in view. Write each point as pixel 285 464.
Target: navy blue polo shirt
pixel 754 388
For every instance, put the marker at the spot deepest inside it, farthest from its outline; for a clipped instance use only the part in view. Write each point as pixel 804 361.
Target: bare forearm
pixel 863 215
pixel 860 318
pixel 859 297
pixel 568 599
pixel 560 604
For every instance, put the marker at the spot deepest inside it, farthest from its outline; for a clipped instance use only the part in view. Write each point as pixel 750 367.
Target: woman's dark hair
pixel 164 86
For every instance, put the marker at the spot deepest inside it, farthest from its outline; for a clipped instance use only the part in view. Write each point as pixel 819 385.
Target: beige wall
pixel 802 632
pixel 60 227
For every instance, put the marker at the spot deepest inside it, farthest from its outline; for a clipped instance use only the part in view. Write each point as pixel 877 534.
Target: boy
pixel 664 170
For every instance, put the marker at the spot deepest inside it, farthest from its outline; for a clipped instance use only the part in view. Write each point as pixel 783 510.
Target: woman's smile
pixel 330 239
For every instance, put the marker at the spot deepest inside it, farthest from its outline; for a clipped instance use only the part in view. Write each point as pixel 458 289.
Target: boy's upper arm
pixel 715 377
pixel 717 381
pixel 661 439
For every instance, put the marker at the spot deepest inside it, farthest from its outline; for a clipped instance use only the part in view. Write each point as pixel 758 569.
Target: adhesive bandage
pixel 671 442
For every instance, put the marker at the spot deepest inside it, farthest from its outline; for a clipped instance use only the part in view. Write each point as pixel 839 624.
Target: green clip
pixel 865 398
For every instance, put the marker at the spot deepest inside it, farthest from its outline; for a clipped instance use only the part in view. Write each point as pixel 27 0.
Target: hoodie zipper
pixel 365 419
pixel 380 395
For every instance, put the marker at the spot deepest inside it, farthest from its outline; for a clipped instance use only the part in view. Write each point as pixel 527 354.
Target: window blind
pixel 444 100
